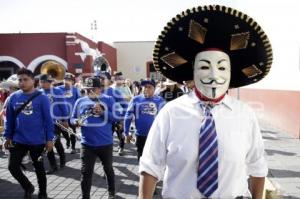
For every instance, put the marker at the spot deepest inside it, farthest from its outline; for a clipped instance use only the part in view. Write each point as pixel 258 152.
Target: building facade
pixel 70 51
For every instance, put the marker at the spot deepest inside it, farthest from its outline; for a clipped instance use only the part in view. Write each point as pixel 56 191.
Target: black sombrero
pixel 213 26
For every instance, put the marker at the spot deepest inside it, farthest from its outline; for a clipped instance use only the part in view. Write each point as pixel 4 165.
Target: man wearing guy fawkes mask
pixel 206 144
pixel 95 114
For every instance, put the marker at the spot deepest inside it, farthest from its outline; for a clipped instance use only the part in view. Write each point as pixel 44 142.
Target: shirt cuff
pixel 258 168
pixel 149 167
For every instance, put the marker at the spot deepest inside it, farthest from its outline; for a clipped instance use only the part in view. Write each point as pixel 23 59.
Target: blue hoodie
pixel 118 97
pixel 33 125
pixel 144 110
pixel 59 106
pixel 96 130
pixel 71 95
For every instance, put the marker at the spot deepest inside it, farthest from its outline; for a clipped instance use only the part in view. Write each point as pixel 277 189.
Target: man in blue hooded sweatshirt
pixel 59 113
pixel 95 114
pixel 143 108
pixel 29 130
pixel 71 94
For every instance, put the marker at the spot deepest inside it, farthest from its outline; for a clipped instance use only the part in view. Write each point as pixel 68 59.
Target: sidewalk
pixel 282 151
pixel 283 156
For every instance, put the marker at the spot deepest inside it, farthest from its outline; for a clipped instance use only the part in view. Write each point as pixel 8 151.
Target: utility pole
pixel 94 29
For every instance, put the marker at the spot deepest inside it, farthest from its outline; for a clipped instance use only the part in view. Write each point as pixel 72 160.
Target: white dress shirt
pixel 171 150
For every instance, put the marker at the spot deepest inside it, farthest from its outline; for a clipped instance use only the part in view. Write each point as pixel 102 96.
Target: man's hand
pixel 128 138
pixel 65 124
pixel 78 123
pixel 49 146
pixel 7 143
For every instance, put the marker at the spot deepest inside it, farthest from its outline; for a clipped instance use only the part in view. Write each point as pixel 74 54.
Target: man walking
pixel 207 144
pixel 142 109
pixel 95 114
pixel 28 127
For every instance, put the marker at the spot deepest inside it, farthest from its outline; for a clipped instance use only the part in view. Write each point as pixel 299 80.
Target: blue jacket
pixel 143 110
pixel 118 97
pixel 33 125
pixel 96 129
pixel 59 106
pixel 71 95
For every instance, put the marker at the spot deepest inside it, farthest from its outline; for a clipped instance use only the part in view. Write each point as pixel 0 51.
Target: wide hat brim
pixel 213 26
pixel 8 85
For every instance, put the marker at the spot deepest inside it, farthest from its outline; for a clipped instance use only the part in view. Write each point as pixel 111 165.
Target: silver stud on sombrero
pixel 213 26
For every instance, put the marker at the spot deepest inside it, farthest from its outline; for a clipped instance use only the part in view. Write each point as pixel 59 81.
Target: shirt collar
pixel 225 101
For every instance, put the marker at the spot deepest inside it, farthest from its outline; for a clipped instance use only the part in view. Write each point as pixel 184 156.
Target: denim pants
pixel 88 158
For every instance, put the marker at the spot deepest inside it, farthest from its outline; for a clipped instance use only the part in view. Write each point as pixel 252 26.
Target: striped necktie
pixel 207 179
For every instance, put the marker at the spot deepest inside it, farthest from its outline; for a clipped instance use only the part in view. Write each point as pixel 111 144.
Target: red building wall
pixel 26 47
pixel 110 54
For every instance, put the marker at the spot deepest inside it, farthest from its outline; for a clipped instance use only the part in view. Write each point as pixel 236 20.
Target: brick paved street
pixel 66 182
pixel 282 153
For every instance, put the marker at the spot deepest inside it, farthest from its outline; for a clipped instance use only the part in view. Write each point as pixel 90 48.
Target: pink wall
pixel 278 107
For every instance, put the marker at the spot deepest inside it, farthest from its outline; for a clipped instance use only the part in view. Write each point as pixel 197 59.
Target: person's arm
pixel 48 121
pixel 112 113
pixel 74 115
pixel 9 122
pixel 146 186
pixel 257 187
pixel 128 117
pixel 257 167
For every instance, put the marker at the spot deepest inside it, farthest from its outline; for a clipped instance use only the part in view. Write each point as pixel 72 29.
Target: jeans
pixel 88 158
pixel 17 152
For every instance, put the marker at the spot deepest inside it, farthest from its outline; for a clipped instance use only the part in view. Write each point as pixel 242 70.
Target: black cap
pixel 148 81
pixel 46 77
pixel 92 82
pixel 118 73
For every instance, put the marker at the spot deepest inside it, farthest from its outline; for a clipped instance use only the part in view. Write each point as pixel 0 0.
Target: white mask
pixel 212 73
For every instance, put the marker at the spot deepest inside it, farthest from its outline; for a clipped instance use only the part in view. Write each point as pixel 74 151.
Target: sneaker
pixel 62 162
pixel 52 170
pixel 28 193
pixel 42 196
pixel 73 151
pixel 121 151
pixel 111 195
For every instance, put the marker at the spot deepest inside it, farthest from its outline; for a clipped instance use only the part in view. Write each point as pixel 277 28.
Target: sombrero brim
pixel 213 26
pixel 7 85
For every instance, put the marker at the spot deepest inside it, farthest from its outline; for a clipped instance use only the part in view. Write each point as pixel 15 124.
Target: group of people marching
pixel 40 113
pixel 204 144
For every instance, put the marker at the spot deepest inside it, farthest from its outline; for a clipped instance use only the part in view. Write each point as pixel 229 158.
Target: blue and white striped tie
pixel 207 180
